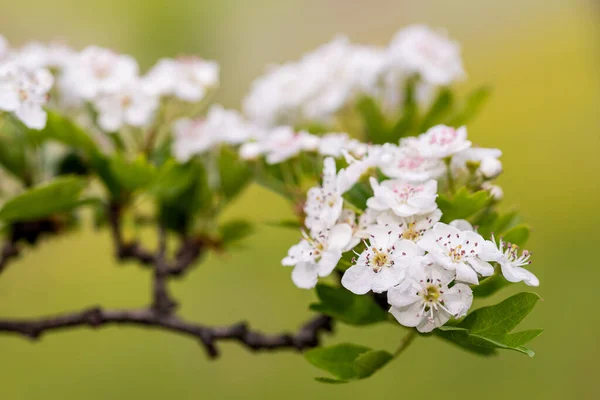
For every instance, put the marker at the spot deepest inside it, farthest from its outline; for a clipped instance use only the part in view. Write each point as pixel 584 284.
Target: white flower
pixel 442 141
pixel 333 144
pixel 383 264
pixel 24 93
pixel 488 164
pixel 4 47
pixel 229 126
pixel 317 256
pixel 191 139
pixel 187 78
pixel 409 165
pixel 418 49
pixel 403 199
pixel 34 55
pixel 375 155
pixel 409 228
pixel 317 86
pixel 324 203
pixel 425 301
pixel 283 143
pixel 462 225
pixel 511 263
pixel 131 106
pixel 457 250
pixel 96 71
pixel 251 150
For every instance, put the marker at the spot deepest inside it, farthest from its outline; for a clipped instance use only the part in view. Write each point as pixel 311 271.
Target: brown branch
pixel 162 302
pixel 308 336
pixel 9 251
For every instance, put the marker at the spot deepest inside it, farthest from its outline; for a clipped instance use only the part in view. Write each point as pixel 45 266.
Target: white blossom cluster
pixel 425 266
pixel 335 75
pixel 107 81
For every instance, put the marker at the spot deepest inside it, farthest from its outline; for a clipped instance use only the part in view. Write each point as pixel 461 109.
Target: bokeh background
pixel 542 58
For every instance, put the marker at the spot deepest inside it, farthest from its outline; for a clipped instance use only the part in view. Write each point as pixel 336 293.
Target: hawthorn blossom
pixel 187 78
pixel 228 126
pixel 485 161
pixel 410 166
pixel 403 199
pixel 366 164
pixel 317 255
pixel 131 106
pixel 409 228
pixel 324 203
pixel 55 55
pixel 333 144
pixel 456 250
pixel 424 299
pixel 495 191
pixel 96 71
pixel 383 264
pixel 284 143
pixel 190 139
pixel 510 261
pixel 442 141
pixel 24 93
pixel 419 49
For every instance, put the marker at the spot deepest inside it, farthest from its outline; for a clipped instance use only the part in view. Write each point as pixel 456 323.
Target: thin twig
pixel 308 336
pixel 162 302
pixel 405 342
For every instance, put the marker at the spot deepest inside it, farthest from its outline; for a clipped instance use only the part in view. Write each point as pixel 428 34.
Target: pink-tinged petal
pixel 466 274
pixel 328 262
pixel 458 299
pixel 403 295
pixel 357 279
pixel 304 275
pixel 339 236
pixel 387 278
pixel 410 315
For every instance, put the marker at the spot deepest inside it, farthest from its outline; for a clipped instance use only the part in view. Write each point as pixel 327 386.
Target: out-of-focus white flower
pixel 383 263
pixel 409 165
pixel 190 139
pixel 419 49
pixel 457 250
pixel 55 55
pixel 131 106
pixel 4 47
pixel 425 301
pixel 403 199
pixel 495 191
pixel 318 255
pixel 97 71
pixel 442 141
pixel 283 143
pixel 229 126
pixel 333 144
pixel 187 78
pixel 489 164
pixel 375 156
pixel 511 262
pixel 317 86
pixel 409 228
pixel 324 203
pixel 24 93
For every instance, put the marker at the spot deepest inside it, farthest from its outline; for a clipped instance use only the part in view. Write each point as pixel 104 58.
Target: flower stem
pixel 405 342
pixel 449 175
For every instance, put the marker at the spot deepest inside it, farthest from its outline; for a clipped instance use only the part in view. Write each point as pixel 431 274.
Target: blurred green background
pixel 543 59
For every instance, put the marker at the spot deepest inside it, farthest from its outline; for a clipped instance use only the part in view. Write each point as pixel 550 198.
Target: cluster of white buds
pixel 401 246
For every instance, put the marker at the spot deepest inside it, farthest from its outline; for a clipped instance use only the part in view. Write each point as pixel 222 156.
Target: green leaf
pixel 502 317
pixel 347 362
pixel 489 327
pixel 408 119
pixel 60 195
pixel 347 307
pixel 517 235
pixel 234 173
pixel 133 175
pixel 471 107
pixel 359 194
pixel 462 205
pixel 374 120
pixel 61 129
pixel 236 230
pixel 13 158
pixel 286 223
pixel 440 108
pixel 172 180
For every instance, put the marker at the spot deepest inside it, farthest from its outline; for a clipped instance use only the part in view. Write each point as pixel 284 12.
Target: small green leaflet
pixel 60 195
pixel 347 307
pixel 347 362
pixel 489 327
pixel 462 205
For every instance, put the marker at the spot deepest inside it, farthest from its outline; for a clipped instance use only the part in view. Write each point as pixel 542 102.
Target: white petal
pixel 339 236
pixel 481 267
pixel 304 275
pixel 518 274
pixel 357 279
pixel 328 262
pixel 409 315
pixel 33 116
pixel 458 299
pixel 466 274
pixel 387 278
pixel 462 224
pixel 403 295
